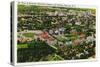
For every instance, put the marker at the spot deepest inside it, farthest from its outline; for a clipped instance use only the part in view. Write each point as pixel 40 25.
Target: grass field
pixel 28 34
pixel 22 45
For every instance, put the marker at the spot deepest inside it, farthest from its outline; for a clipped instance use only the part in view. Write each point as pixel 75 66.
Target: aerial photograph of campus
pixel 55 33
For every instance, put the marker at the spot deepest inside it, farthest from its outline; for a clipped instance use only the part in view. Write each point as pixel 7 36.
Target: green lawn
pixel 28 34
pixel 22 45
